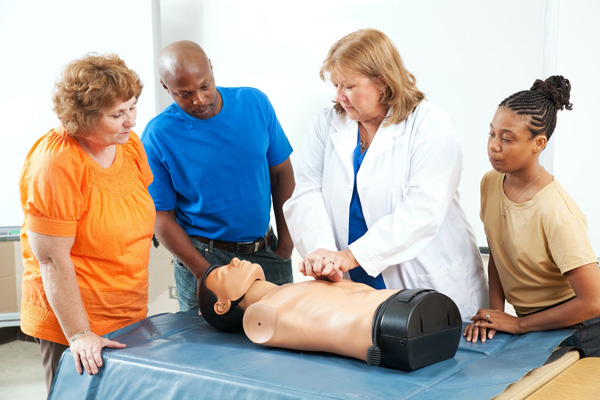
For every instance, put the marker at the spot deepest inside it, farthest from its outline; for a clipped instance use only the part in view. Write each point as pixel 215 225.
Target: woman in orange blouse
pixel 88 216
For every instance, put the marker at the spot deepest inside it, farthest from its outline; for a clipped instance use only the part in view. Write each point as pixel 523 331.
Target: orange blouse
pixel 64 192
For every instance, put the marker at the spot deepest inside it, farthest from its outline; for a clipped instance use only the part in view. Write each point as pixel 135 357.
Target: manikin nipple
pixel 259 322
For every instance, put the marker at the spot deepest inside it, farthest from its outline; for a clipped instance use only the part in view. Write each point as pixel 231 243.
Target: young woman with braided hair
pixel 541 260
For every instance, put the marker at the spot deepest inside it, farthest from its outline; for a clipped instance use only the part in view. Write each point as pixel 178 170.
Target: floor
pixel 21 371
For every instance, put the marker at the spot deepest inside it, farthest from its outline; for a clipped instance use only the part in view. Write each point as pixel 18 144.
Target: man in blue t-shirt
pixel 218 156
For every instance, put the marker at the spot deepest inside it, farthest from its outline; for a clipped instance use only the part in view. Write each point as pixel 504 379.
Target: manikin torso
pixel 318 315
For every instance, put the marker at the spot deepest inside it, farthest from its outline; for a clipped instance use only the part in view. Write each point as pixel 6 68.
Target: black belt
pixel 240 247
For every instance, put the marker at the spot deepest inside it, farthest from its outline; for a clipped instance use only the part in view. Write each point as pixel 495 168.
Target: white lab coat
pixel 418 234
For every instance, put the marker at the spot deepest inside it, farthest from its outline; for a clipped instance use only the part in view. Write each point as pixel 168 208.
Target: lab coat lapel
pixel 344 141
pixel 384 139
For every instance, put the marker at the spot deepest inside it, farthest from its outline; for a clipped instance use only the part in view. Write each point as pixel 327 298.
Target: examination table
pixel 179 356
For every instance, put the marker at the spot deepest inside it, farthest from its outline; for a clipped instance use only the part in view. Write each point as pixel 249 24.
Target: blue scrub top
pixel 357 225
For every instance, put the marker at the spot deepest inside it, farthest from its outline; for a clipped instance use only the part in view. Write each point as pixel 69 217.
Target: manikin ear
pixel 540 143
pixel 222 307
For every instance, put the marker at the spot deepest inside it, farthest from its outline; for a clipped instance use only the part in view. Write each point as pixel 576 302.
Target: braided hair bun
pixel 557 89
pixel 541 103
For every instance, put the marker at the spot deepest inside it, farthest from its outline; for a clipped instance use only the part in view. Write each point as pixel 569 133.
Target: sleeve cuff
pixel 51 227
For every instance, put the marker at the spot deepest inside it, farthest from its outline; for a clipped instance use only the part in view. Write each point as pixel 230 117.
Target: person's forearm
pixel 282 187
pixel 564 315
pixel 284 239
pixel 170 234
pixel 497 298
pixel 62 291
pixel 53 254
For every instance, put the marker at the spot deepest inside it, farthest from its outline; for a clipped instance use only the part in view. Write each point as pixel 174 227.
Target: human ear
pixel 381 84
pixel 222 307
pixel 540 143
pixel 165 86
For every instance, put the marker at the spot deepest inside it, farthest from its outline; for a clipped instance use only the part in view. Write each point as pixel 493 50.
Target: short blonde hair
pixel 371 53
pixel 88 86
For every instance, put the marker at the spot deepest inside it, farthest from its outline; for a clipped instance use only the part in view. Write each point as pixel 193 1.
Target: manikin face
pixel 230 282
pixel 359 95
pixel 113 126
pixel 510 146
pixel 193 89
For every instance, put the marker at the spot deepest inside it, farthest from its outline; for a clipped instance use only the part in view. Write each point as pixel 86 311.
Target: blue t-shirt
pixel 215 172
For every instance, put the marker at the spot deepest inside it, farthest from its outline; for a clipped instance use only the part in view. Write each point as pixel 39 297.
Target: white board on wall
pixel 37 38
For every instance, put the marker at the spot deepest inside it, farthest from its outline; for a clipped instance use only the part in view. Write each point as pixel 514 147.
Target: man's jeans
pixel 589 334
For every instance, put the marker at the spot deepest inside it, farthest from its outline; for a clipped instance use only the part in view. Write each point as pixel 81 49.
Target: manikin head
pixel 222 288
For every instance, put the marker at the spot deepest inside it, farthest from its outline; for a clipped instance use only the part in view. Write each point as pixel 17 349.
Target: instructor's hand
pixel 327 264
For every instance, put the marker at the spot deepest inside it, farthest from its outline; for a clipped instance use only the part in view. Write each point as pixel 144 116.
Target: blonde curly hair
pixel 90 85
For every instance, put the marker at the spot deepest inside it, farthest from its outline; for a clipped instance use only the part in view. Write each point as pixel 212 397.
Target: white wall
pixel 577 165
pixel 37 38
pixel 467 55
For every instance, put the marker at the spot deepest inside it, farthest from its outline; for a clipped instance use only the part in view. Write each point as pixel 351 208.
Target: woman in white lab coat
pixel 376 195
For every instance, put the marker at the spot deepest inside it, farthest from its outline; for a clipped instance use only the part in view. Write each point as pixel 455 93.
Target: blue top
pixel 358 226
pixel 215 172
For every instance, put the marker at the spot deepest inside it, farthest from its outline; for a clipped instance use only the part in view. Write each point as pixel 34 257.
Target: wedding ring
pixel 487 317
